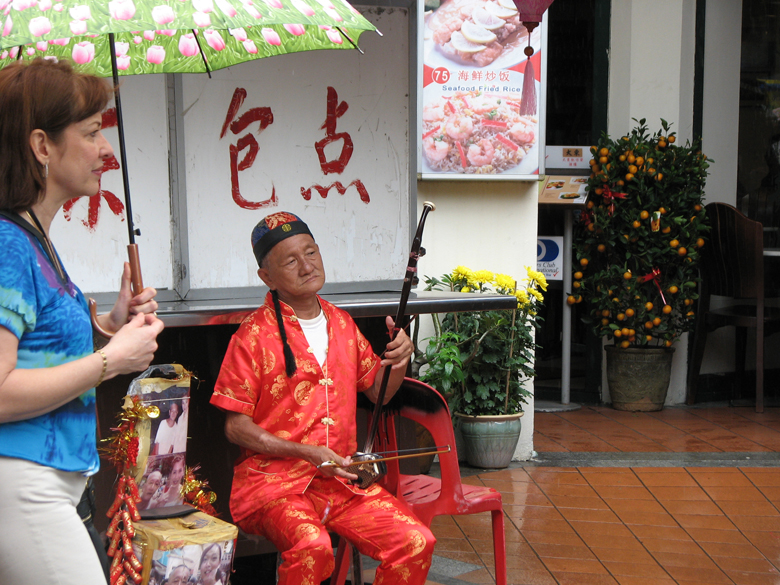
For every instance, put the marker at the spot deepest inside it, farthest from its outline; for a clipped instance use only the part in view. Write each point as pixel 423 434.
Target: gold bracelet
pixel 105 366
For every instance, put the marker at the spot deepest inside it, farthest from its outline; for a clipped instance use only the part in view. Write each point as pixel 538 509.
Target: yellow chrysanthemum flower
pixel 461 273
pixel 505 282
pixel 536 294
pixel 465 289
pixel 522 298
pixel 534 276
pixel 483 277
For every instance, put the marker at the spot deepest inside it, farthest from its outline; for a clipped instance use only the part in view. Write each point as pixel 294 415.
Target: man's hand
pixel 397 355
pixel 399 350
pixel 319 456
pixel 241 430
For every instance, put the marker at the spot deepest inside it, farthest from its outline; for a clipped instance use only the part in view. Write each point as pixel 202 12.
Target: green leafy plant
pixel 480 359
pixel 637 243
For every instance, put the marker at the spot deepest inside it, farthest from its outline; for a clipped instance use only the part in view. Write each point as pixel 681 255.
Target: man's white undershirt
pixel 316 332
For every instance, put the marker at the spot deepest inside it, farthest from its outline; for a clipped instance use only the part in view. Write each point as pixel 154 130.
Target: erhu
pixel 368 466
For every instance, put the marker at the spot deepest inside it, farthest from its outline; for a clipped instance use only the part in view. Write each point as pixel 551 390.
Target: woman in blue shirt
pixel 51 151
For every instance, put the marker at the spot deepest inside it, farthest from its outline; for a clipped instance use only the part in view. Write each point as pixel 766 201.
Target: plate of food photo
pixel 473 132
pixel 476 34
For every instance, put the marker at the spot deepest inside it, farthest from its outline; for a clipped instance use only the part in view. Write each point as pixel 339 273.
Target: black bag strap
pixel 25 225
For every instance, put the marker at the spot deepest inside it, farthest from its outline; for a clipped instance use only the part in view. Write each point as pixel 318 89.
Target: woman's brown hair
pixel 41 94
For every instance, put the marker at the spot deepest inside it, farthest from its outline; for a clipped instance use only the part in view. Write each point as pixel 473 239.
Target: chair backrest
pixel 733 258
pixel 421 403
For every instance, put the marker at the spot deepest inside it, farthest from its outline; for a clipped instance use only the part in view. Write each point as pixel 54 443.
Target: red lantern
pixel 530 13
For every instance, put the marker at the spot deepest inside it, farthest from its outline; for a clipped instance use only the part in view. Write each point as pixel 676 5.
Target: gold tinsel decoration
pixel 198 493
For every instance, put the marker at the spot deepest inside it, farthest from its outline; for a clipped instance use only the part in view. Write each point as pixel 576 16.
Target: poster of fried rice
pixel 481 96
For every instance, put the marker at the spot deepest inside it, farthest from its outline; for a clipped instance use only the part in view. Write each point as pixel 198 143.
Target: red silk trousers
pixel 377 524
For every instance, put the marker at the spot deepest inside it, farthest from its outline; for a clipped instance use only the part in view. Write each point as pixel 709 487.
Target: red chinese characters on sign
pixel 265 117
pixel 95 201
pixel 335 110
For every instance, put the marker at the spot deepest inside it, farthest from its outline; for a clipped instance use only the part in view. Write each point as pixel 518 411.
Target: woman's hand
pixel 127 305
pixel 133 346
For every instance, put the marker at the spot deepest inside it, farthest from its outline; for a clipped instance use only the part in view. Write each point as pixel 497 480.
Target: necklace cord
pixel 48 247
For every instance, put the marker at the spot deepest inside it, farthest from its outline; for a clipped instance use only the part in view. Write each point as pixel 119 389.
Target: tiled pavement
pixel 684 495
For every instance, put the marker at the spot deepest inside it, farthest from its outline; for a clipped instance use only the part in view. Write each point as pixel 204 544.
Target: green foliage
pixel 480 359
pixel 637 244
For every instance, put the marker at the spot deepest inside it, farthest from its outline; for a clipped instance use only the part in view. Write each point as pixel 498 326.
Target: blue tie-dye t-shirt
pixel 53 327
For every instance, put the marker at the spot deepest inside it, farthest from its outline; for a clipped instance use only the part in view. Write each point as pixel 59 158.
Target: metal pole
pixel 122 149
pixel 566 340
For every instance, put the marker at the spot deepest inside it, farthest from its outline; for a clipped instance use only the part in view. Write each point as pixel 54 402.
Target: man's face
pixel 179 576
pixel 294 268
pixel 153 483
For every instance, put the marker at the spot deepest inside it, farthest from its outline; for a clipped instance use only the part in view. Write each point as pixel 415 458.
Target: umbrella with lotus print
pixel 127 37
pixel 173 36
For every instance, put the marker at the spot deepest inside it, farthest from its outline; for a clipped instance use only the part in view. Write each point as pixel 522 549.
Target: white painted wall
pixel 482 225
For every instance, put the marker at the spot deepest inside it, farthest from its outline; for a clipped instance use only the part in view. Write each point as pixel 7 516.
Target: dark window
pixel 758 161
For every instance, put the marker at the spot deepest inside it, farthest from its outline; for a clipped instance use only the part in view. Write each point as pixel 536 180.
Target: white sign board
pixel 321 134
pixel 568 157
pixel 549 257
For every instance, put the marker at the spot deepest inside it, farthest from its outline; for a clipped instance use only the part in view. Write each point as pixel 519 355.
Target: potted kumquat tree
pixel 637 247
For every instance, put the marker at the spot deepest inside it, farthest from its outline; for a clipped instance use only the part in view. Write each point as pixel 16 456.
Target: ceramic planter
pixel 490 441
pixel 639 377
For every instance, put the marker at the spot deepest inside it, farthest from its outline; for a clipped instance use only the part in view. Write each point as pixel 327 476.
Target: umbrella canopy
pixel 173 36
pixel 126 37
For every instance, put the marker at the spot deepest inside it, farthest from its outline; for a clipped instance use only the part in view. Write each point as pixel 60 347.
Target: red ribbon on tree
pixel 655 276
pixel 586 217
pixel 610 196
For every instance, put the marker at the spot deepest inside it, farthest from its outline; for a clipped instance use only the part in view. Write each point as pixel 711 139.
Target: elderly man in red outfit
pixel 289 384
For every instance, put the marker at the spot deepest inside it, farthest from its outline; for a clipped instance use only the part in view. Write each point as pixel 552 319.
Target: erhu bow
pixel 368 466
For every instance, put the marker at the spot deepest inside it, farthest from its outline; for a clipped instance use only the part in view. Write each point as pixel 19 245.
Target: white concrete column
pixel 485 225
pixel 651 65
pixel 720 117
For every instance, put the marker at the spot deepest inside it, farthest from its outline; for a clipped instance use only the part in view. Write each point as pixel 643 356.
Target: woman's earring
pixel 46 170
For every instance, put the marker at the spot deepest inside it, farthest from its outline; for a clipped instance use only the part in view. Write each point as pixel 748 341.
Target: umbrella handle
pixel 136 283
pixel 136 280
pixel 95 324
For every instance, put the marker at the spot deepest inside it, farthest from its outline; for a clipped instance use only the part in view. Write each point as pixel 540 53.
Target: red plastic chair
pixel 430 496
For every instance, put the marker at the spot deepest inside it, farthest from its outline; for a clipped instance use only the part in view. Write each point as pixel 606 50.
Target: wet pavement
pixel 687 495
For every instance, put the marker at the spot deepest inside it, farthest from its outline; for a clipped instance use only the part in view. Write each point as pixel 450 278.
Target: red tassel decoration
pixel 528 101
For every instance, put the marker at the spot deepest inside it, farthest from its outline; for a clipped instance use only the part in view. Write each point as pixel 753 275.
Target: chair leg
pixel 760 363
pixel 697 344
pixel 339 575
pixel 499 546
pixel 740 356
pixel 357 566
